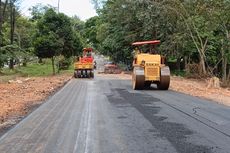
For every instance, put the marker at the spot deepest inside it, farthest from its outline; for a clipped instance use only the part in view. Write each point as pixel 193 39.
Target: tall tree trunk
pixel 224 64
pixel 202 65
pixel 12 23
pixel 178 63
pixel 186 64
pixel 225 69
pixel 1 22
pixel 229 74
pixel 53 65
pixel 0 19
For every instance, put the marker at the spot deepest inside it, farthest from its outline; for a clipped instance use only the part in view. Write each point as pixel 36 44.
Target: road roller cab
pixel 149 67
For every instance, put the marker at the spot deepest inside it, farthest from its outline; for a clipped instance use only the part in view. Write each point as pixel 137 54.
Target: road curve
pixel 104 115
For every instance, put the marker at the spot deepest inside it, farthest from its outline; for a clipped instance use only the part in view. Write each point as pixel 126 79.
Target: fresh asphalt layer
pixel 104 115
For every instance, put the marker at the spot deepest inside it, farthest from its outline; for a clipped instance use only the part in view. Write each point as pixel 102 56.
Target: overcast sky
pixel 82 8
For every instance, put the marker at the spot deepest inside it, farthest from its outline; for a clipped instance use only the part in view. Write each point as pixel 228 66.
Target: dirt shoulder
pixel 20 96
pixel 194 87
pixel 199 88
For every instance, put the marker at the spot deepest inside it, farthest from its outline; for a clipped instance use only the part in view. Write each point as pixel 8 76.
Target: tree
pixel 38 11
pixel 78 30
pixel 8 11
pixel 11 52
pixel 2 17
pixel 12 28
pixel 24 33
pixel 77 44
pixel 191 30
pixel 90 31
pixel 48 46
pixel 58 27
pixel 222 17
pixel 98 4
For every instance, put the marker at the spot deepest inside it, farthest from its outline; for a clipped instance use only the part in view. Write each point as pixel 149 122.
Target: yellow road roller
pixel 83 68
pixel 149 67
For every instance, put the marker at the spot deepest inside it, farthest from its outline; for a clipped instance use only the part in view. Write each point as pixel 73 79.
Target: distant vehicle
pixel 83 68
pixel 111 68
pixel 149 67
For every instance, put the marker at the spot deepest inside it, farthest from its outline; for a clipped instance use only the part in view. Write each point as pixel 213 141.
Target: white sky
pixel 82 8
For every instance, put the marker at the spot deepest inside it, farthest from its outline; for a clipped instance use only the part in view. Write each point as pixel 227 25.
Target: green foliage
pixel 78 25
pixel 78 31
pixel 11 51
pixel 3 59
pixel 47 46
pixel 90 31
pixel 191 30
pixel 38 11
pixel 14 52
pixel 64 63
pixel 77 44
pixel 181 73
pixel 98 3
pixel 56 30
pixel 24 32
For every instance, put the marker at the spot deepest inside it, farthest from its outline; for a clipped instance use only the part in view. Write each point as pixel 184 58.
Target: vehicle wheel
pixel 75 75
pixel 88 74
pixel 138 78
pixel 165 79
pixel 92 75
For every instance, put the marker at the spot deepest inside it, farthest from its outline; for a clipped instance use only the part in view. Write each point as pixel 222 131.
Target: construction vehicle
pixel 84 67
pixel 111 68
pixel 149 67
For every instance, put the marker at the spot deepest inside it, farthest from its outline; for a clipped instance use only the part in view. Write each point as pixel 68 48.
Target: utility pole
pixel 58 5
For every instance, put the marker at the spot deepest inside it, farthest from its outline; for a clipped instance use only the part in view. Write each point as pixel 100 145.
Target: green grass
pixel 31 70
pixel 69 71
pixel 36 70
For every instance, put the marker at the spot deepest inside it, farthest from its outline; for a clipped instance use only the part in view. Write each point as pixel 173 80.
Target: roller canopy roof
pixel 153 42
pixel 88 49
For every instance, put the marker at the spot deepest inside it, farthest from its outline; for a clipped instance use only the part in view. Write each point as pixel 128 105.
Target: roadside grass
pixel 181 73
pixel 36 69
pixel 32 69
pixel 70 70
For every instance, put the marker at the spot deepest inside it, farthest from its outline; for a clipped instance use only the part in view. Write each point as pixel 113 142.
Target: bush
pixel 181 73
pixel 64 63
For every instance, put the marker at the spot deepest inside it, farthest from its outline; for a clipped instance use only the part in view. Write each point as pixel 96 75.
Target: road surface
pixel 104 115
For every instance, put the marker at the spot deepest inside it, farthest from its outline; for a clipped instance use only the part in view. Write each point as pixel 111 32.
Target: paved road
pixel 104 115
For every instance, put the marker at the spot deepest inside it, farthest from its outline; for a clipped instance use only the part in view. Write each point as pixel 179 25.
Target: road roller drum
pixel 164 82
pixel 138 78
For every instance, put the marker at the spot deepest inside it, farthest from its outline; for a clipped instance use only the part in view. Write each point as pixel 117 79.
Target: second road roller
pixel 149 67
pixel 84 67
